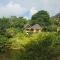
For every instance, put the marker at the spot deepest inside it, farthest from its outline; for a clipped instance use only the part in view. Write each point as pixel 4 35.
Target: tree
pixel 17 22
pixel 41 17
pixel 4 23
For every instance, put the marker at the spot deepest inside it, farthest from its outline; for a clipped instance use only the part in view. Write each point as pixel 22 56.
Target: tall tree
pixel 41 17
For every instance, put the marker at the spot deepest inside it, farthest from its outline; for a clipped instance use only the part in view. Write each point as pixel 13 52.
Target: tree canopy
pixel 41 17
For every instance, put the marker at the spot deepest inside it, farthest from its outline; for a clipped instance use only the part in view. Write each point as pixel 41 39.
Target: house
pixel 34 28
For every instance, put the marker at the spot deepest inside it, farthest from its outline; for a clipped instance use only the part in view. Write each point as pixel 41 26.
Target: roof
pixel 36 26
pixel 27 26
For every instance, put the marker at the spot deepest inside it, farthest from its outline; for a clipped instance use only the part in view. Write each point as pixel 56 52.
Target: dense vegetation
pixel 15 44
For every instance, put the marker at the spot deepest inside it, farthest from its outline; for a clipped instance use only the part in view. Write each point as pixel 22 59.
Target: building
pixel 34 28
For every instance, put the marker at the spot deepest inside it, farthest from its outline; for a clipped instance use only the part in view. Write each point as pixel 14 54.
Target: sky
pixel 27 8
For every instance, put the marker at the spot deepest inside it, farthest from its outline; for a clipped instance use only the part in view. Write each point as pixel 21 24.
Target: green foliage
pixel 4 44
pixel 9 27
pixel 4 23
pixel 55 21
pixel 41 46
pixel 18 22
pixel 41 17
pixel 32 46
pixel 52 28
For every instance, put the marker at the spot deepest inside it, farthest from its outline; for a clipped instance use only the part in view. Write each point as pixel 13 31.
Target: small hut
pixel 34 28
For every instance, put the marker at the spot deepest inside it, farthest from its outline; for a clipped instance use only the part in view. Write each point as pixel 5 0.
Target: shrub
pixel 4 43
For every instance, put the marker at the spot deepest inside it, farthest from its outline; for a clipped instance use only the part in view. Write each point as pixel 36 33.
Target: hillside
pixel 57 15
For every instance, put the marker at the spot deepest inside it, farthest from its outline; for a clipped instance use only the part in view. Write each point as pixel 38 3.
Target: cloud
pixel 33 10
pixel 15 9
pixel 27 8
pixel 30 12
pixel 12 9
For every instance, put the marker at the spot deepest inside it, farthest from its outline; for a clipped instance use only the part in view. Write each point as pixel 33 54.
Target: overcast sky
pixel 27 8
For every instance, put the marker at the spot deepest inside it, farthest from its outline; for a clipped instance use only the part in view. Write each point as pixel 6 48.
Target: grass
pixel 28 47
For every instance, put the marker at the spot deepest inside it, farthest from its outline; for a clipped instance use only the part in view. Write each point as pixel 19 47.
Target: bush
pixel 52 28
pixel 38 46
pixel 4 43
